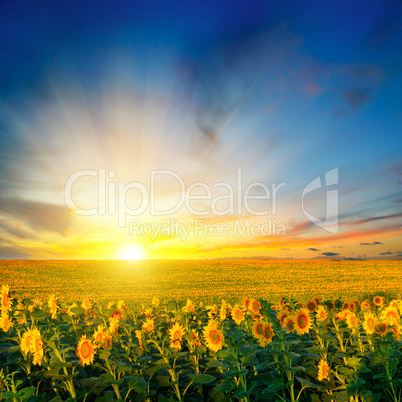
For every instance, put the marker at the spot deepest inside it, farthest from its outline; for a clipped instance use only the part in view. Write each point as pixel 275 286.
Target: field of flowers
pixel 306 350
pixel 139 281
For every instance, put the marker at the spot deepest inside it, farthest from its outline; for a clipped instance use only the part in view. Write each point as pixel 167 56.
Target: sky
pixel 154 129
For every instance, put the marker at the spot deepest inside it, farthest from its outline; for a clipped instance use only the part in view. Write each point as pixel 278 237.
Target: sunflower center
pixel 86 350
pixel 214 336
pixel 177 336
pixel 302 321
pixel 259 329
pixel 267 332
pixel 30 341
pixel 5 300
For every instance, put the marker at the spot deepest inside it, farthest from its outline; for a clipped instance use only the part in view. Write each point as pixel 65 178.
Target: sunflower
pixel 378 300
pixel 156 301
pixel 365 305
pixel 213 336
pixel 27 341
pixel 254 306
pixel 138 334
pixel 323 370
pixel 237 314
pixel 267 335
pixel 352 306
pixel 343 314
pixel 102 337
pixel 86 304
pixel 289 324
pixel 5 299
pixel 212 311
pixel 114 325
pixel 345 306
pixel 69 312
pixel 117 313
pixel 223 312
pixel 176 333
pixel 148 326
pixel 85 351
pixel 390 314
pixel 257 329
pixel 37 346
pixel 194 339
pixel 311 305
pixel 321 313
pixel 121 305
pixel 331 305
pixel 352 321
pixel 246 303
pixel 52 303
pixel 5 323
pixel 382 328
pixel 189 307
pixel 397 331
pixel 302 321
pixel 281 316
pixel 369 323
pixel 31 341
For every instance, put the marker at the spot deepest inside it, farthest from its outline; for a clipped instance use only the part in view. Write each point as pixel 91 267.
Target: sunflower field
pixel 308 350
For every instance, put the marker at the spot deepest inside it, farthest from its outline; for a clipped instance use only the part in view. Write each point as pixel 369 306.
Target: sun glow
pixel 132 252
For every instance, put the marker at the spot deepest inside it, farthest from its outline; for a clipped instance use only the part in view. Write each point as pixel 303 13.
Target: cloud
pixel 16 230
pixel 313 249
pixel 395 168
pixel 37 215
pixel 356 97
pixel 371 244
pixel 330 254
pixel 312 89
pixel 9 252
pixel 372 219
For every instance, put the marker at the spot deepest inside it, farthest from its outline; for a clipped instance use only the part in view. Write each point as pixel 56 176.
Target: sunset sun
pixel 132 252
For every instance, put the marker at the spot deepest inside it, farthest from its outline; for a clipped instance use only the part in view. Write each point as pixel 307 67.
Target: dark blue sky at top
pixel 32 35
pixel 40 38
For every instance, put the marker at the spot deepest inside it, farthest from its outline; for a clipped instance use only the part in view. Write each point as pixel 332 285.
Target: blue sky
pixel 284 91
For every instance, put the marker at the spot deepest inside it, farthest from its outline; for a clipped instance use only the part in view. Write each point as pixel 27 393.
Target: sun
pixel 131 252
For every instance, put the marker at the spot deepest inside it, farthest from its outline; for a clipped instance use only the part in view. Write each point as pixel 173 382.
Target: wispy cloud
pixel 37 215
